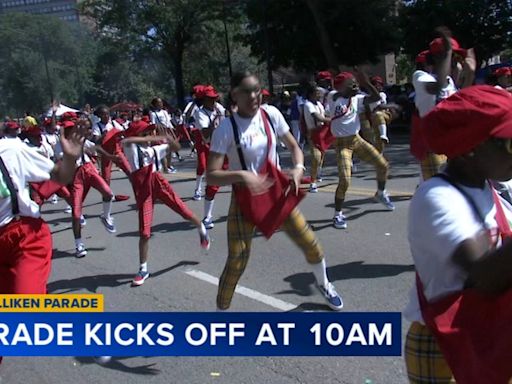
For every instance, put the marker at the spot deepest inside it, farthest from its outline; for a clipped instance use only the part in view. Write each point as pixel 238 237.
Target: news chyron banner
pixel 75 325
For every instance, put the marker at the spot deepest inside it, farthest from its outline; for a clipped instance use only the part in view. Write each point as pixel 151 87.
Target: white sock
pixel 320 272
pixel 144 267
pixel 78 242
pixel 199 182
pixel 107 209
pixel 208 208
pixel 383 130
pixel 338 214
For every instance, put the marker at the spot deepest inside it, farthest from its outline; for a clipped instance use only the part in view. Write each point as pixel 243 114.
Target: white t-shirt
pixel 205 118
pixel 440 218
pixel 44 148
pixel 345 115
pixel 161 117
pixel 99 128
pixel 253 139
pixel 383 100
pixel 425 102
pixel 24 165
pixel 309 109
pixel 51 138
pixel 328 102
pixel 148 155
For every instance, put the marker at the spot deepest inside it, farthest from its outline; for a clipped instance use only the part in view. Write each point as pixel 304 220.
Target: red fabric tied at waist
pixel 269 210
pixel 322 137
pixel 46 188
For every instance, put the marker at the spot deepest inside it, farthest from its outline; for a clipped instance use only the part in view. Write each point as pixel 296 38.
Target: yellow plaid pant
pixel 424 361
pixel 317 159
pixel 379 118
pixel 431 165
pixel 240 234
pixel 345 148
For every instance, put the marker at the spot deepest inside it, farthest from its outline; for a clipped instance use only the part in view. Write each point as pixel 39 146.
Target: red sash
pixel 474 330
pixel 269 210
pixel 47 188
pixel 419 148
pixel 322 137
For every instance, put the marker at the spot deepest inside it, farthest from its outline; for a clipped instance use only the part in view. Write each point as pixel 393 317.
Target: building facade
pixel 64 9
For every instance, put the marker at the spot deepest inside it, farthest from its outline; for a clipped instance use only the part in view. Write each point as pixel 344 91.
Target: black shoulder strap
pixel 10 186
pixel 140 155
pixel 466 195
pixel 157 162
pixel 236 135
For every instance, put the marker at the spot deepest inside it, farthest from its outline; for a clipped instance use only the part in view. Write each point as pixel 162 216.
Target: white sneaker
pixel 197 195
pixel 171 170
pixel 108 222
pixel 383 198
pixel 333 299
pixel 68 209
pixel 339 222
pixel 54 199
pixel 81 251
pixel 83 222
pixel 313 188
pixel 208 223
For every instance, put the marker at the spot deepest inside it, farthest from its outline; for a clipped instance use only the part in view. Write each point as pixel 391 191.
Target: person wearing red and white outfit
pixel 149 186
pixel 87 176
pixel 25 239
pixel 502 78
pixel 206 119
pixel 314 117
pixel 162 119
pixel 44 190
pixel 109 142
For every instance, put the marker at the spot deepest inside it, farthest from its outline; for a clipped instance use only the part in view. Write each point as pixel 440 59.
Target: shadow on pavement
pixel 311 307
pixel 92 283
pixel 302 284
pixel 117 365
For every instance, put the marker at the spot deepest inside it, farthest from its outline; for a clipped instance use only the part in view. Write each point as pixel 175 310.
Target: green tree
pixel 42 59
pixel 163 29
pixel 316 34
pixel 482 24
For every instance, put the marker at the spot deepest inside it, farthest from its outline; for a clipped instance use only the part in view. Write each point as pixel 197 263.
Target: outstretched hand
pixel 73 144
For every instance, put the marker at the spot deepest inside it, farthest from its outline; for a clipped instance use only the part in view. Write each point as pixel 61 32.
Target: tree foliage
pixel 358 31
pixel 166 30
pixel 30 44
pixel 485 25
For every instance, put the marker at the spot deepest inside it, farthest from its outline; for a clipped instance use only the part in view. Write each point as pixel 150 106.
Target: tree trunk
pixel 323 35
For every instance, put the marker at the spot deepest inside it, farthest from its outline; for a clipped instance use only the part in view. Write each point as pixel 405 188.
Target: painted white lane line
pixel 250 293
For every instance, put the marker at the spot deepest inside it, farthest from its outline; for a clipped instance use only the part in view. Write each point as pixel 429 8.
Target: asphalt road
pixel 369 263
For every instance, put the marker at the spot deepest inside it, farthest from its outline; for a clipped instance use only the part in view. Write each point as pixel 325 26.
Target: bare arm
pixel 297 171
pixel 442 66
pixel 64 171
pixel 373 93
pixel 319 117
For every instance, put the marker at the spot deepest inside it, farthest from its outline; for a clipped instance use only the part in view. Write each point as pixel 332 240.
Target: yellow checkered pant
pixel 240 234
pixel 424 361
pixel 317 159
pixel 379 118
pixel 431 165
pixel 345 148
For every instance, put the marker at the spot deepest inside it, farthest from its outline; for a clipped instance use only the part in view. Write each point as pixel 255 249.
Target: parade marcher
pixel 11 130
pixel 502 78
pixel 249 140
pixel 314 116
pixel 380 116
pixel 459 236
pixel 149 186
pixel 25 239
pixel 345 108
pixel 161 117
pixel 446 57
pixel 100 132
pixel 87 176
pixel 206 119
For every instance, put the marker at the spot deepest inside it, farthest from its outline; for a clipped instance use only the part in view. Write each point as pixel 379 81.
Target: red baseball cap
pixel 67 124
pixel 33 130
pixel 138 127
pixel 503 71
pixel 68 116
pixel 377 80
pixel 422 57
pixel 341 77
pixel 11 125
pixel 436 47
pixel 323 75
pixel 265 92
pixel 466 119
pixel 209 91
pixel 197 89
